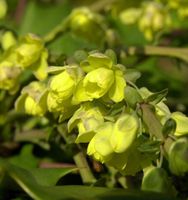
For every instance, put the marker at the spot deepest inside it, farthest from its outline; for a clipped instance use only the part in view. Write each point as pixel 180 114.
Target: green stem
pixel 101 4
pixel 56 32
pixel 80 160
pixel 180 53
pixel 85 171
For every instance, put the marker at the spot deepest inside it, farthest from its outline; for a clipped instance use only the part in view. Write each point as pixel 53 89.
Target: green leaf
pixel 20 102
pixel 34 23
pixel 150 146
pixel 28 183
pixel 157 97
pixel 50 176
pixel 25 158
pixel 111 54
pixel 169 127
pixel 156 179
pixel 132 75
pixel 80 55
pixel 132 96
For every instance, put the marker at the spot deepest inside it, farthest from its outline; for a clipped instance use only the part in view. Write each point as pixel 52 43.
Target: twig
pixel 20 10
pixel 80 160
pixel 180 53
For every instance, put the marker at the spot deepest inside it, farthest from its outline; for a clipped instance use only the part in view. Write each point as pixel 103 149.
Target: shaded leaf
pixel 157 97
pixel 50 176
pixel 29 184
pixel 169 127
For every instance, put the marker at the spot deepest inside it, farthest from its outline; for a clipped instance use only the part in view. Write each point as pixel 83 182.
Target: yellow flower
pixel 181 123
pixel 28 53
pixel 83 22
pixel 33 99
pixel 117 90
pixel 100 147
pixel 32 107
pixel 62 86
pixel 87 118
pixel 97 82
pixel 9 77
pixel 178 160
pixel 124 133
pixel 8 40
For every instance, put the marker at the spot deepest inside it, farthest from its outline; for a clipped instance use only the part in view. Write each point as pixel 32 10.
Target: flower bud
pixel 130 16
pixel 157 22
pixel 124 133
pixel 87 118
pixel 154 18
pixel 100 146
pixel 9 77
pixel 28 50
pixel 8 40
pixel 3 8
pixel 178 159
pixel 62 85
pixel 56 105
pixel 85 23
pixel 30 53
pixel 32 107
pixel 33 99
pixel 181 124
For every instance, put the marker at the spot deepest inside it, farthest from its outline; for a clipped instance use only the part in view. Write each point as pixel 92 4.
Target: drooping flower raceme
pixel 151 18
pixel 26 53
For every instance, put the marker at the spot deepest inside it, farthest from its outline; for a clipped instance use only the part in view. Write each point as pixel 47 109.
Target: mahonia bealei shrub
pixel 151 18
pixel 96 97
pixel 27 53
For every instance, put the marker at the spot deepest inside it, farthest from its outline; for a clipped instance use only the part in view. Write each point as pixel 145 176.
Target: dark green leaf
pixel 150 147
pixel 29 184
pixel 156 179
pixel 50 176
pixel 169 127
pixel 157 97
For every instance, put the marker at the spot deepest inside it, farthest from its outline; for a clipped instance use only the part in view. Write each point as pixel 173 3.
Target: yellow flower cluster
pixel 26 53
pixel 87 94
pixel 151 18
